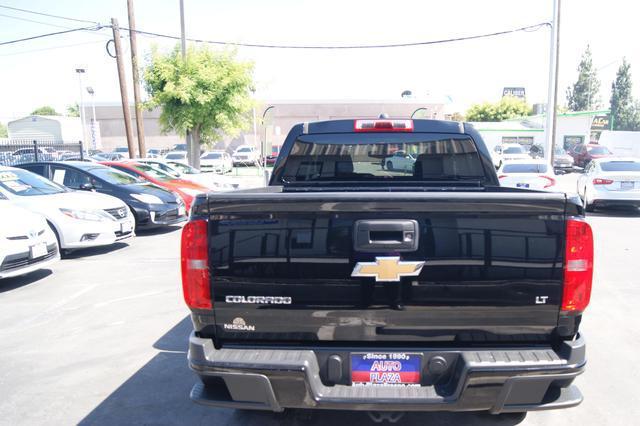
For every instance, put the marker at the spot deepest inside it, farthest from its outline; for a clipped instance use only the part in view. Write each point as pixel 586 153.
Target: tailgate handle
pixel 385 235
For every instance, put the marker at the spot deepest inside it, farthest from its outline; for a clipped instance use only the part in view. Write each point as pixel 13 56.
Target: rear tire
pixel 389 165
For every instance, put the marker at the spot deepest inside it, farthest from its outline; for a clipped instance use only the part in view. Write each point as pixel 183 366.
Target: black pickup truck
pixel 384 268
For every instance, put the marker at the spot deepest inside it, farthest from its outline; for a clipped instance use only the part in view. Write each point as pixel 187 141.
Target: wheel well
pixel 55 232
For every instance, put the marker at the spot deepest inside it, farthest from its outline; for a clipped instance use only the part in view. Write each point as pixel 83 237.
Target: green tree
pixel 3 131
pixel 508 107
pixel 45 110
pixel 73 110
pixel 583 94
pixel 209 94
pixel 625 113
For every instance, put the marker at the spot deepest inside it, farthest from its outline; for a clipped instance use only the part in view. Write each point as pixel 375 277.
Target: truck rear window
pixel 371 158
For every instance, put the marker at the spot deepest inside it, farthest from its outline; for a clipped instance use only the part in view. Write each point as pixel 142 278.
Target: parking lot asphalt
pixel 101 339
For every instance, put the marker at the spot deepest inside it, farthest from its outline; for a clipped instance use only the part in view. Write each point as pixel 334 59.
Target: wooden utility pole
pixel 136 79
pixel 123 88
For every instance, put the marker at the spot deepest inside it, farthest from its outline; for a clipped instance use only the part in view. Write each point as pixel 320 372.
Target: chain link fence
pixel 19 151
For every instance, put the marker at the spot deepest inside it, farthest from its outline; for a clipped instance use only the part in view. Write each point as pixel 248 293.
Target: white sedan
pixel 610 181
pixel 212 181
pixel 400 161
pixel 180 156
pixel 78 218
pixel 508 152
pixel 216 161
pixel 26 241
pixel 527 174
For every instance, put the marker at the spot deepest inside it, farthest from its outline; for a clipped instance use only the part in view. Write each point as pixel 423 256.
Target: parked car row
pixel 579 156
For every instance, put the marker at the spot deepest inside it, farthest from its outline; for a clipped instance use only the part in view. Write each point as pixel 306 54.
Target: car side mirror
pixel 87 187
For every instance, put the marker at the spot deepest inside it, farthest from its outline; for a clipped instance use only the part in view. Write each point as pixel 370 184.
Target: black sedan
pixel 150 204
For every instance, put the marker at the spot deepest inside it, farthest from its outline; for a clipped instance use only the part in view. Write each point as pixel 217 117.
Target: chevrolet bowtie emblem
pixel 387 269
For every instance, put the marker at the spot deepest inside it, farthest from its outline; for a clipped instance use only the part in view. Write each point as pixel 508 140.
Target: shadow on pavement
pixel 157 231
pixel 8 284
pixel 95 251
pixel 158 394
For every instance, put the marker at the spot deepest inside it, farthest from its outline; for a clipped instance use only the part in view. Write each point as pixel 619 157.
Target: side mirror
pixel 86 187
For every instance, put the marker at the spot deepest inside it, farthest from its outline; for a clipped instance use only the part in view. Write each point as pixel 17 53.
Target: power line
pixel 33 21
pixel 47 14
pixel 24 52
pixel 92 28
pixel 529 28
pixel 97 27
pixel 46 23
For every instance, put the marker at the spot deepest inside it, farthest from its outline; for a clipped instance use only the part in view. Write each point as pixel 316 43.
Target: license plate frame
pixel 522 185
pixel 386 369
pixel 38 250
pixel 627 184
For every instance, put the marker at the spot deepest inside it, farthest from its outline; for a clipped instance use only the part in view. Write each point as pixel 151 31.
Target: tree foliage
pixel 625 113
pixel 508 107
pixel 583 95
pixel 208 94
pixel 3 131
pixel 73 110
pixel 45 110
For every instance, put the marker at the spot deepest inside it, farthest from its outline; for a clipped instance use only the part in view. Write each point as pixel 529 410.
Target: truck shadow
pixel 158 394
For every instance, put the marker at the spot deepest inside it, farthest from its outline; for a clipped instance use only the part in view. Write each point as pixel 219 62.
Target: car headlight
pixel 190 191
pixel 147 198
pixel 93 215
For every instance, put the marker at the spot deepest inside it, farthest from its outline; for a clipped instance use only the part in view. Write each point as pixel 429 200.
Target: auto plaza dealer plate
pixel 385 369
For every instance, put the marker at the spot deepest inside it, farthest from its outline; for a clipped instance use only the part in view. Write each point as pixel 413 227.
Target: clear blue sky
pixel 41 72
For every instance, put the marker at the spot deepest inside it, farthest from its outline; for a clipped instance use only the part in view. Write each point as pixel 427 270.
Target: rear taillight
pixel 599 181
pixel 502 176
pixel 194 260
pixel 386 125
pixel 578 267
pixel 550 181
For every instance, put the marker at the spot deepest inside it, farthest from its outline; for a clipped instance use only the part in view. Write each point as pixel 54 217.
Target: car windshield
pixel 514 150
pixel 245 149
pixel 183 168
pixel 113 176
pixel 620 166
pixel 368 158
pixel 211 156
pixel 121 150
pixel 525 168
pixel 25 183
pixel 175 156
pixel 598 150
pixel 153 171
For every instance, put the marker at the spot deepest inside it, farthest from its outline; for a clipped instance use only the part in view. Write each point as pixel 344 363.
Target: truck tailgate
pixel 281 267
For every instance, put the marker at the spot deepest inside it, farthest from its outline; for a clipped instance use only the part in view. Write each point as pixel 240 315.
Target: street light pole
pixel 81 71
pixel 552 98
pixel 419 109
pixel 263 143
pixel 93 117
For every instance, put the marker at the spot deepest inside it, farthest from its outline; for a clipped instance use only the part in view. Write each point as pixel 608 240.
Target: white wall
pixel 573 126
